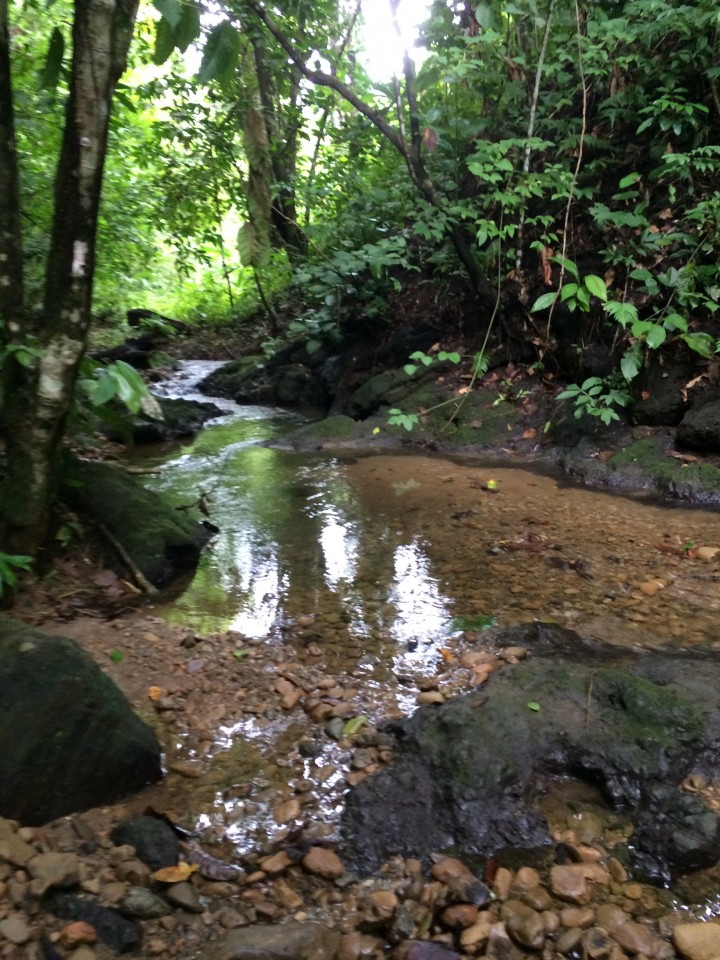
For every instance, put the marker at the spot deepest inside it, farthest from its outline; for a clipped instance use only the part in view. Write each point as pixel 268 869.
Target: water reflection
pixel 298 537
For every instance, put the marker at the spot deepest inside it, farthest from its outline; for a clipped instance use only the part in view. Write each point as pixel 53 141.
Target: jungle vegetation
pixel 553 166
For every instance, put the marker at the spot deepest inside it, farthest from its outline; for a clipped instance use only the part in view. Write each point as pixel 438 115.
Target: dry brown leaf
pixel 155 693
pixel 175 874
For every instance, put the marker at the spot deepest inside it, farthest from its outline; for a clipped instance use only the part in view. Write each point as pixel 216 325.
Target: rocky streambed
pixel 332 788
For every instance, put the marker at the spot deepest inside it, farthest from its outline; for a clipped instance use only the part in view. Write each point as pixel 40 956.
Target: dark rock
pixel 181 418
pixel 288 941
pixel 467 772
pixel 161 541
pixel 69 740
pixel 426 950
pixel 155 842
pixel 255 379
pixel 660 397
pixel 700 427
pixel 118 932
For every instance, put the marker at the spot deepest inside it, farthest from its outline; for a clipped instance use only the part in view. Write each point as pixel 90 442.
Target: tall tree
pixel 38 395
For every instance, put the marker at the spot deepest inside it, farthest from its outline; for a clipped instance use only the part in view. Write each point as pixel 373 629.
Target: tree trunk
pixel 39 398
pixel 11 267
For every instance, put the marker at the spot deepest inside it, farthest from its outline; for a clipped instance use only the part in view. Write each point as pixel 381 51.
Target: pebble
pixel 575 881
pixel 525 925
pixel 142 903
pixel 76 933
pixel 698 941
pixel 12 846
pixel 184 895
pixel 53 870
pixel 323 863
pixel 15 929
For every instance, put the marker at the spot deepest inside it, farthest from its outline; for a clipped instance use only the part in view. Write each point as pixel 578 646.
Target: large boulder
pixel 468 773
pixel 700 427
pixel 256 379
pixel 160 541
pixel 181 418
pixel 69 739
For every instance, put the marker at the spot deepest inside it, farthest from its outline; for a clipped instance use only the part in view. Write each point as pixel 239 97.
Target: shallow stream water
pixel 379 570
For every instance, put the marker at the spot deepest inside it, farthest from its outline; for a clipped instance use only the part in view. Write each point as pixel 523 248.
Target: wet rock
pixel 154 841
pixel 84 748
pixel 636 938
pixel 289 941
pixel 525 925
pixel 143 904
pixel 575 881
pixel 323 863
pixel 12 847
pixel 698 941
pixel 118 932
pixel 569 941
pixel 597 944
pixel 423 950
pixel 181 418
pixel 53 870
pixel 700 427
pixel 161 541
pixel 359 946
pixel 76 933
pixel 184 895
pixel 15 929
pixel 467 772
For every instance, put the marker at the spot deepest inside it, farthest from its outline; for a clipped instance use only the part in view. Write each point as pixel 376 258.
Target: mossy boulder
pixel 255 379
pixel 69 740
pixel 161 542
pixel 468 773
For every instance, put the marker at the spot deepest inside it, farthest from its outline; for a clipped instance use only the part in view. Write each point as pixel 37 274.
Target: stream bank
pixel 371 600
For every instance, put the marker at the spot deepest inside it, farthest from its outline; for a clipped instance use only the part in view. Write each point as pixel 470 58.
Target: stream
pixel 369 576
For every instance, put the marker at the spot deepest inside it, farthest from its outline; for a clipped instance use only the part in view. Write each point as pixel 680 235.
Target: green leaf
pixel 569 290
pixel 102 390
pixel 544 301
pixel 673 321
pixel 116 656
pixel 220 55
pixel 240 654
pixel 410 369
pixel 188 29
pixel 624 313
pixel 629 180
pixel 53 61
pixel 701 343
pixel 655 336
pixel 533 705
pixel 596 286
pixel 631 362
pixel 164 42
pixel 353 725
pixel 171 11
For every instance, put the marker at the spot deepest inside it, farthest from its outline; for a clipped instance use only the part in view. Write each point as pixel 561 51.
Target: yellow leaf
pixel 155 693
pixel 175 874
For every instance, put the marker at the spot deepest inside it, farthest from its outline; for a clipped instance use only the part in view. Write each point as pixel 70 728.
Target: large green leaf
pixel 221 53
pixel 53 61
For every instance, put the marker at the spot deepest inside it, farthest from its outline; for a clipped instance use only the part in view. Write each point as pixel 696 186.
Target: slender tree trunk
pixel 37 405
pixel 283 149
pixel 11 266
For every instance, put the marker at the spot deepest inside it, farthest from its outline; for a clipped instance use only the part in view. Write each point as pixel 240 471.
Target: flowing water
pixel 377 570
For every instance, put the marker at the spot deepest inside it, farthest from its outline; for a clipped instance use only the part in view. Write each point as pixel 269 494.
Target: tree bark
pixel 11 266
pixel 39 397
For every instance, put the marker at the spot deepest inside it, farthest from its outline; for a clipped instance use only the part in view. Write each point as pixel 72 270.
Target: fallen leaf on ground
pixel 175 874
